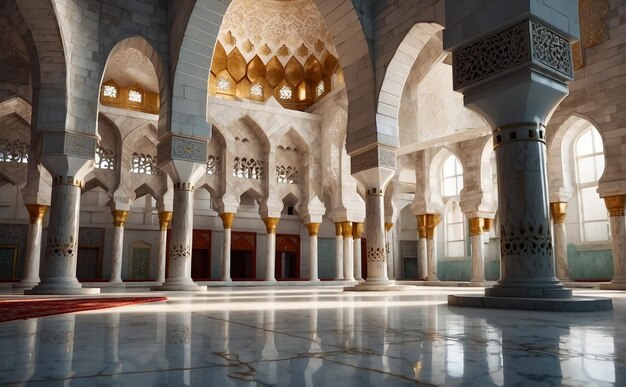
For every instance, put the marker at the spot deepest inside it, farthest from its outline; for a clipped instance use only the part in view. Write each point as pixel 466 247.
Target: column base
pixel 62 291
pixel 25 285
pixel 528 292
pixel 378 286
pixel 115 285
pixel 613 286
pixel 178 288
pixel 315 280
pixel 572 304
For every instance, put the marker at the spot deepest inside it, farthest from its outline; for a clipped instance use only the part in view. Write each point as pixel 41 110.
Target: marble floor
pixel 316 337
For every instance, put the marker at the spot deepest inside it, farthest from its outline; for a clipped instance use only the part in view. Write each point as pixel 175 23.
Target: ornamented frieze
pixel 177 147
pixel 375 157
pixel 525 43
pixel 71 144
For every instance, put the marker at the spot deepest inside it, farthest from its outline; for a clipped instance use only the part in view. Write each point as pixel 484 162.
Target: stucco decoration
pixel 69 144
pixel 593 24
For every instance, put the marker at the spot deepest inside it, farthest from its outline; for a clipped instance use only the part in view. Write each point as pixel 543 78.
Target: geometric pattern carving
pixel 188 149
pixel 144 164
pixel 140 263
pixel 105 158
pixel 375 254
pixel 67 143
pixel 180 252
pixel 214 165
pixel 286 174
pixel 532 239
pixel 8 262
pixel 248 168
pixel 58 249
pixel 13 151
pixel 375 157
pixel 525 42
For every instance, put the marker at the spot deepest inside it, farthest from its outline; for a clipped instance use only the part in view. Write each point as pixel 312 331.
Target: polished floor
pixel 316 337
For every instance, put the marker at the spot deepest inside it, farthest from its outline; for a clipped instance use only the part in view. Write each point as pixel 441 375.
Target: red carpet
pixel 20 309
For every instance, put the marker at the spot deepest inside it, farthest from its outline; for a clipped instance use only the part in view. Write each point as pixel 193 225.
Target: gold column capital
pixel 165 217
pixel 421 225
pixel 388 226
pixel 313 228
pixel 557 210
pixel 227 219
pixel 488 224
pixel 346 229
pixel 477 226
pixel 615 205
pixel 357 230
pixel 37 212
pixel 432 220
pixel 271 224
pixel 119 217
pixel 338 229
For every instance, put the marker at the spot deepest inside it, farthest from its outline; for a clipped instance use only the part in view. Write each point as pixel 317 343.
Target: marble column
pixel 558 211
pixel 338 252
pixel 119 219
pixel 33 247
pixel 165 217
pixel 179 270
pixel 476 226
pixel 313 269
pixel 357 232
pixel 227 221
pixel 375 232
pixel 389 249
pixel 432 220
pixel 61 256
pixel 348 256
pixel 270 251
pixel 615 206
pixel 422 247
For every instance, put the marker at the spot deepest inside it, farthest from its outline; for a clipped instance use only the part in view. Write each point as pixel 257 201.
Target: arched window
pixel 589 160
pixel 453 219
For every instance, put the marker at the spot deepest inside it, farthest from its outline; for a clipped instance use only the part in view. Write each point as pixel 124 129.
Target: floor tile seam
pixel 400 376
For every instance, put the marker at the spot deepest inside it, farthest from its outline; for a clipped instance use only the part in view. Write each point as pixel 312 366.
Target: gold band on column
pixel 119 217
pixel 165 217
pixel 615 205
pixel 184 186
pixel 346 229
pixel 388 226
pixel 421 225
pixel 338 229
pixel 357 230
pixel 36 212
pixel 488 224
pixel 271 224
pixel 557 209
pixel 477 226
pixel 432 220
pixel 227 219
pixel 313 228
pixel 68 180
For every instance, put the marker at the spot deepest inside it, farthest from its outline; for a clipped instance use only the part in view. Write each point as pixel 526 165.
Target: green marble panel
pixel 461 270
pixel 589 264
pixel 140 266
pixel 7 262
pixel 326 258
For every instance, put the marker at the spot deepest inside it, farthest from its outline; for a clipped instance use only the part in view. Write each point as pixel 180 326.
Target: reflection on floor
pixel 316 337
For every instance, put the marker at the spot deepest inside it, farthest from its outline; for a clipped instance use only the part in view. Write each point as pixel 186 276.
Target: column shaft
pixel 338 252
pixel 119 218
pixel 478 256
pixel 165 217
pixel 422 247
pixel 227 220
pixel 348 256
pixel 615 205
pixel 33 246
pixel 357 232
pixel 558 210
pixel 375 233
pixel 432 220
pixel 313 252
pixel 389 249
pixel 270 251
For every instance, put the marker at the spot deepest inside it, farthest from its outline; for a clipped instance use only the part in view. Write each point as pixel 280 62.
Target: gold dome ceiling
pixel 274 48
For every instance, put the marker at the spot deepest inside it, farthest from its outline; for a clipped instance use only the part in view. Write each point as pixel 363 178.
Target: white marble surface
pixel 33 256
pixel 313 252
pixel 431 247
pixel 116 255
pixel 348 259
pixel 270 257
pixel 478 258
pixel 225 274
pixel 618 235
pixel 338 257
pixel 357 259
pixel 422 259
pixel 317 337
pixel 162 256
pixel 375 234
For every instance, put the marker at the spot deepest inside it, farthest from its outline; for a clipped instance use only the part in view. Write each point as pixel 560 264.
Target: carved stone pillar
pixel 338 252
pixel 179 271
pixel 313 229
pixel 476 226
pixel 119 219
pixel 33 246
pixel 357 232
pixel 512 71
pixel 422 247
pixel 615 206
pixel 558 210
pixel 348 256
pixel 227 220
pixel 165 217
pixel 375 231
pixel 68 157
pixel 270 250
pixel 432 220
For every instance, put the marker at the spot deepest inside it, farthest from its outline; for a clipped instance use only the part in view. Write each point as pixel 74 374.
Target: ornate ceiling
pixel 130 67
pixel 274 48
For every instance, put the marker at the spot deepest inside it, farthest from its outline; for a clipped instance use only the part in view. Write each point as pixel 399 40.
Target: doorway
pixel 201 255
pixel 287 257
pixel 243 256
